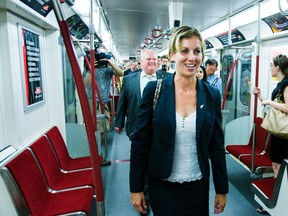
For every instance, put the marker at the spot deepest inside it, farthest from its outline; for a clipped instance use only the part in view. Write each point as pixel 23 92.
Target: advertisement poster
pixel 208 44
pixel 77 27
pixel 31 64
pixel 42 7
pixel 236 36
pixel 277 22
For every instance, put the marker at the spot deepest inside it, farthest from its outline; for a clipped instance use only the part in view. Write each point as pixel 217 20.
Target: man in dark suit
pixel 133 68
pixel 132 88
pixel 130 97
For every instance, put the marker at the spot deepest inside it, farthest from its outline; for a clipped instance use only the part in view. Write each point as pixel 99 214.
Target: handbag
pixel 276 122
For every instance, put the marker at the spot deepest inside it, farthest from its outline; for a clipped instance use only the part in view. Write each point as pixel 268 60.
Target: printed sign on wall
pixel 31 64
pixel 42 7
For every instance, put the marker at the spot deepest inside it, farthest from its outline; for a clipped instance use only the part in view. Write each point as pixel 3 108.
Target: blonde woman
pixel 172 144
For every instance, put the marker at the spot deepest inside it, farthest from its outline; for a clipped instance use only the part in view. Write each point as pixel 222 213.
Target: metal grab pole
pixel 253 149
pixel 257 41
pixel 92 64
pixel 97 176
pixel 96 85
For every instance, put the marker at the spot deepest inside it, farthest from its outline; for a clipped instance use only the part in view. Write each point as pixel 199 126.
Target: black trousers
pixel 179 199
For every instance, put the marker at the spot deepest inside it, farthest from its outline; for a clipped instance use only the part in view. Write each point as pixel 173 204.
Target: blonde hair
pixel 181 33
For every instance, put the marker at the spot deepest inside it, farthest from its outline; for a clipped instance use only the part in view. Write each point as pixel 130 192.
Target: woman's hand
pixel 266 102
pixel 256 91
pixel 219 203
pixel 118 130
pixel 138 201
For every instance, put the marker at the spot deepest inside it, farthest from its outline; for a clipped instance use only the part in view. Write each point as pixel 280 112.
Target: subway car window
pixel 227 62
pixel 245 82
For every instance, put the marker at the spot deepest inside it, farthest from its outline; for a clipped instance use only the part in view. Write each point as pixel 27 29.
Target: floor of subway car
pixel 240 199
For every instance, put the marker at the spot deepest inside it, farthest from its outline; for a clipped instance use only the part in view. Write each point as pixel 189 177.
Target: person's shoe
pixel 261 210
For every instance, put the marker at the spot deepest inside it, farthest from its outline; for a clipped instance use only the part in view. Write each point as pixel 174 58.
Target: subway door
pixel 237 101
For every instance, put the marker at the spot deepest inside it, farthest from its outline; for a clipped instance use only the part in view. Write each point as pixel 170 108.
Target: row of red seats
pixel 266 190
pixel 243 153
pixel 271 193
pixel 44 180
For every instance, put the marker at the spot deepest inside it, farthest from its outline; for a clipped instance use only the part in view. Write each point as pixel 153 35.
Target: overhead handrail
pixel 97 175
pixel 158 45
pixel 148 41
pixel 156 33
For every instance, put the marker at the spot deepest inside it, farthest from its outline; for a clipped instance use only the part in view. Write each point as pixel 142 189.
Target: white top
pixel 185 161
pixel 145 78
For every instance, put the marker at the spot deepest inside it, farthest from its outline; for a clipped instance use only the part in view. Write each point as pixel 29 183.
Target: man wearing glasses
pixel 211 67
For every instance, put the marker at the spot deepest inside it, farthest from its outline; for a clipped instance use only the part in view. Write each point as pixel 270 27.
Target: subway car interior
pixel 53 159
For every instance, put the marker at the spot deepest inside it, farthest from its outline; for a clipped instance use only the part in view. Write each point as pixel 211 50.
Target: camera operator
pixel 105 69
pixel 165 67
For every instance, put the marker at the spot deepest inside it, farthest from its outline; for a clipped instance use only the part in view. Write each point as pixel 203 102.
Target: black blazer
pixel 129 101
pixel 152 148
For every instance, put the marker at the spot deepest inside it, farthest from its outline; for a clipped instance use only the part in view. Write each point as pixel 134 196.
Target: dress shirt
pixel 145 78
pixel 217 84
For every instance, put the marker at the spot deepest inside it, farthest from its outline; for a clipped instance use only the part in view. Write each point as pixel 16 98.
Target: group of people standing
pixel 207 73
pixel 170 145
pixel 174 138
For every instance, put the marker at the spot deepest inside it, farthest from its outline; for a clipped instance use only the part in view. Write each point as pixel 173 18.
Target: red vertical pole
pixel 95 160
pixel 256 84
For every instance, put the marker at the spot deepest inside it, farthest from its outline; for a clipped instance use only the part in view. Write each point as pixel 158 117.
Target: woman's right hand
pixel 138 201
pixel 256 91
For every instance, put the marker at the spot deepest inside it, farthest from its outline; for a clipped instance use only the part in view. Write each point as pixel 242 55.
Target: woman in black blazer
pixel 172 144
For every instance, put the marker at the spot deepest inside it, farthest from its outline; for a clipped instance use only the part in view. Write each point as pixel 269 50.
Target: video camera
pixel 98 56
pixel 164 68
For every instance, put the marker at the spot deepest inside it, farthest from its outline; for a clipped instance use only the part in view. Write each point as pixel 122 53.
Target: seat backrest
pixel 47 159
pixel 58 145
pixel 271 188
pixel 260 135
pixel 29 179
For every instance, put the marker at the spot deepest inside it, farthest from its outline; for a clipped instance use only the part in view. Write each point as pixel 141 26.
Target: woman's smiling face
pixel 189 57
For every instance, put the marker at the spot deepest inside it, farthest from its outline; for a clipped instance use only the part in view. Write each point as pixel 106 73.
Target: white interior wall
pixel 265 78
pixel 3 68
pixel 22 127
pixel 19 128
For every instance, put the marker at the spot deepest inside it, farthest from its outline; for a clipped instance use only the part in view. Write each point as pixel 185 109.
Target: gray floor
pixel 116 176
